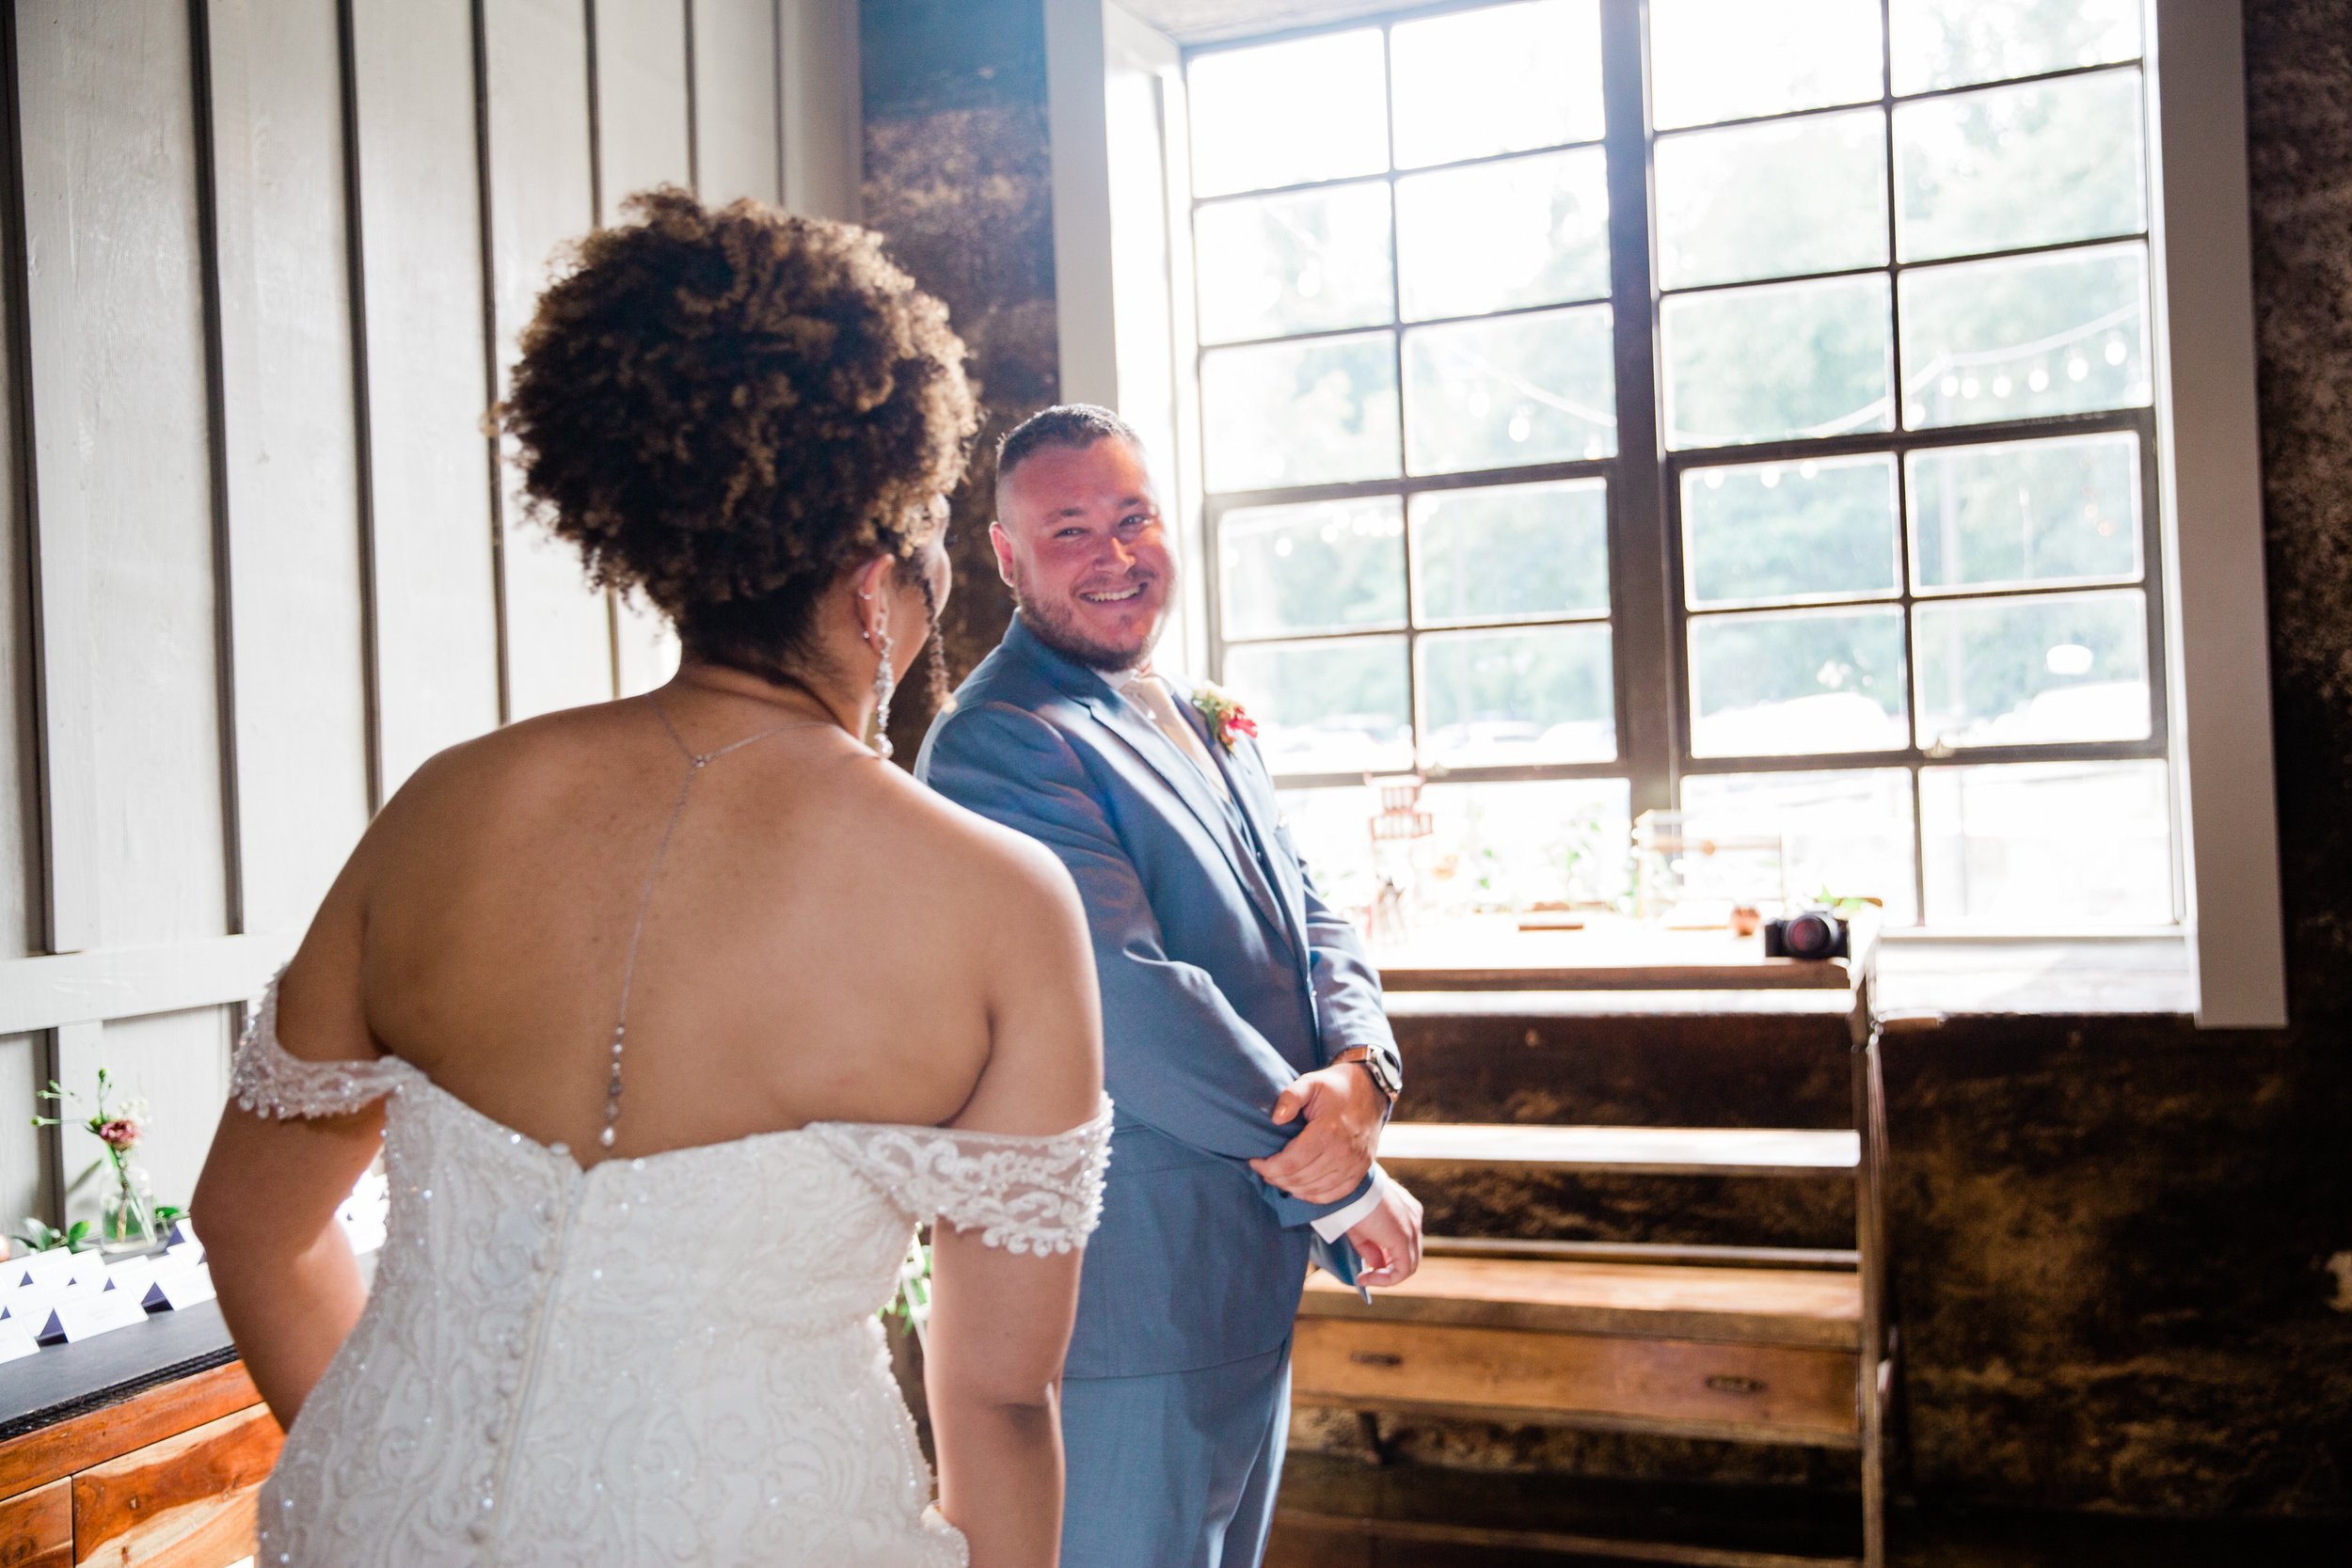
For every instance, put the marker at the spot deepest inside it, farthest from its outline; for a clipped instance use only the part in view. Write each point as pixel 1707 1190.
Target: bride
pixel 673 1016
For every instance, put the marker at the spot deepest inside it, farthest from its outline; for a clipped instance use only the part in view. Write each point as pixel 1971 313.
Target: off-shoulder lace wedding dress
pixel 666 1361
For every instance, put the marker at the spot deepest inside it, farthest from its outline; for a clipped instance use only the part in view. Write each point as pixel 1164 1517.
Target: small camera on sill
pixel 1806 934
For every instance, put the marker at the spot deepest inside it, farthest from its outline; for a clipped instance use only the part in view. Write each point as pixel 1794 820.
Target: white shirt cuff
pixel 1339 1222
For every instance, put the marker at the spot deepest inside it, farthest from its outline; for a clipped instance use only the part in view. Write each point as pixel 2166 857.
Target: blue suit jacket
pixel 1224 977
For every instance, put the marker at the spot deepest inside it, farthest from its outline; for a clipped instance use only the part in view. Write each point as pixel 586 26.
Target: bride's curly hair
pixel 727 408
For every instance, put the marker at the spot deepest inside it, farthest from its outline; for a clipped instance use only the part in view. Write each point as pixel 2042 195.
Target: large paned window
pixel 1702 404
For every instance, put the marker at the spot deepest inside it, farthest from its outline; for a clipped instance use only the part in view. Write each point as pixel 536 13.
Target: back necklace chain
pixel 696 763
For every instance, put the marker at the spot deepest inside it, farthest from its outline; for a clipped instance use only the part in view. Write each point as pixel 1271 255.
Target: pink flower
pixel 119 1134
pixel 1225 716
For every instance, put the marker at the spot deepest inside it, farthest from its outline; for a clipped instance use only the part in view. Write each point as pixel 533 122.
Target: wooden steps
pixel 1338 1512
pixel 1631 1150
pixel 1814 1307
pixel 1739 1344
pixel 1751 1354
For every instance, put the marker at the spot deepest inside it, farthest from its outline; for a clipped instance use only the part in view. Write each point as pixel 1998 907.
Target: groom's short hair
pixel 1071 425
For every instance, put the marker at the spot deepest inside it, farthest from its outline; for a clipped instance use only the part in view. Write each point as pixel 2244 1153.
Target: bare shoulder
pixel 1001 877
pixel 539 751
pixel 1009 899
pixel 511 774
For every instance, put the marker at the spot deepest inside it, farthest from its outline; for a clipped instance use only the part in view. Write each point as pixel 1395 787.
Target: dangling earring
pixel 885 684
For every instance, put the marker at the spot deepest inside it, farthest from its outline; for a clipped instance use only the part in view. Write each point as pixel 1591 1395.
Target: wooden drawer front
pixel 51 1453
pixel 1787 1389
pixel 187 1502
pixel 36 1528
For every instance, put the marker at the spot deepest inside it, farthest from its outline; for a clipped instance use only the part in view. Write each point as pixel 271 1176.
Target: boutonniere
pixel 1225 716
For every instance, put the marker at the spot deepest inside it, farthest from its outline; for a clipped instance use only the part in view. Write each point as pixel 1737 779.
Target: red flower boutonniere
pixel 1225 716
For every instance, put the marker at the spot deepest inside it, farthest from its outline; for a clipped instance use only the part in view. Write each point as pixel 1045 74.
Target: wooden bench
pixel 1749 1344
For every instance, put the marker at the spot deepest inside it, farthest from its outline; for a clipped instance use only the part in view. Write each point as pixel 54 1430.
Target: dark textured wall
pixel 2111 1233
pixel 957 178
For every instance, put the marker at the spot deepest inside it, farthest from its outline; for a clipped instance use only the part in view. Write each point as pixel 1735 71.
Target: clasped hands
pixel 1344 1111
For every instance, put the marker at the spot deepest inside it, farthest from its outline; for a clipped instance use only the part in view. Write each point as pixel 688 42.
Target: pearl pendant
pixel 605 1138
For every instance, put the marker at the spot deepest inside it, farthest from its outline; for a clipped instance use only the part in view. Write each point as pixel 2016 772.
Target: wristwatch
pixel 1383 1071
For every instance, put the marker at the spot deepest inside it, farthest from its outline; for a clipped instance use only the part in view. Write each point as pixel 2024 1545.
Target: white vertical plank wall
pixel 644 138
pixel 739 135
pixel 538 151
pixel 410 82
pixel 23 1055
pixel 262 267
pixel 111 171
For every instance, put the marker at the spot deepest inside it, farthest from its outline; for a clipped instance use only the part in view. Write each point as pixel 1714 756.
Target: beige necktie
pixel 1151 695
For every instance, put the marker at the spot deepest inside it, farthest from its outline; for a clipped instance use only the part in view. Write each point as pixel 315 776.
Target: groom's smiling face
pixel 1080 541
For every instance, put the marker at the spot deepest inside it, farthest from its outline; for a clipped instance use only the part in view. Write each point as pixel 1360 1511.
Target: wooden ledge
pixel 1634 1150
pixel 1812 1308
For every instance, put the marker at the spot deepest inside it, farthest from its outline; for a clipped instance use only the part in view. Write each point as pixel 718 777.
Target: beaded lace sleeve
pixel 1024 1193
pixel 267 1081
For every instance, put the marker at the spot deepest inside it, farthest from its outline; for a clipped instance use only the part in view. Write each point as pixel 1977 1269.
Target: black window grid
pixel 1648 614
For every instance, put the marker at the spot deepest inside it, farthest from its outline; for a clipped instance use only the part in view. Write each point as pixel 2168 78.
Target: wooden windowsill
pixel 1489 969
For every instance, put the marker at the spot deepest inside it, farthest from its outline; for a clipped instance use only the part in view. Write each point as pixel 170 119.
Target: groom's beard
pixel 1054 625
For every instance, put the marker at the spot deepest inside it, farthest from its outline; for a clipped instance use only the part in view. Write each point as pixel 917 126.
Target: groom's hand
pixel 1389 1238
pixel 1343 1109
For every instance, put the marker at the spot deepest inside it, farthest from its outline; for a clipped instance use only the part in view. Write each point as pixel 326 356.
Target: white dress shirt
pixel 1151 693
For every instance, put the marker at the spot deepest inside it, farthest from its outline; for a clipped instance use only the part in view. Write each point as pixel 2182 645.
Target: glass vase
pixel 126 1217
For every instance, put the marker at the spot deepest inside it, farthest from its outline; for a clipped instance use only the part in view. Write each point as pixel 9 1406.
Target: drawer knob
pixel 1376 1358
pixel 1731 1382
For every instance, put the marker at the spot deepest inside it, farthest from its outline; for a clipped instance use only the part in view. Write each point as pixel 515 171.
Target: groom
pixel 1244 1037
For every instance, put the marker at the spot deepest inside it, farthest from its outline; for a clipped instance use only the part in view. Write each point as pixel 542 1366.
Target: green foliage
pixel 1731 207
pixel 1844 905
pixel 2025 512
pixel 43 1237
pixel 1790 359
pixel 911 1303
pixel 1785 530
pixel 1517 681
pixel 1515 390
pixel 1519 549
pixel 1323 566
pixel 1745 662
pixel 1300 413
pixel 2015 167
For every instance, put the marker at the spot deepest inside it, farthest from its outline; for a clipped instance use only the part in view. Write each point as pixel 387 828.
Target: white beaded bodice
pixel 666 1361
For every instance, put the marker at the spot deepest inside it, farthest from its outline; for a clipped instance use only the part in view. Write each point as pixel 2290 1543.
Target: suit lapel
pixel 1159 753
pixel 1252 797
pixel 1184 776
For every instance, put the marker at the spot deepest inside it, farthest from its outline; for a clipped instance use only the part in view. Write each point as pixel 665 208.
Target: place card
pixel 177 1260
pixel 183 1233
pixel 181 1289
pixel 36 1267
pixel 190 1248
pixel 85 1316
pixel 27 1302
pixel 134 1274
pixel 16 1340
